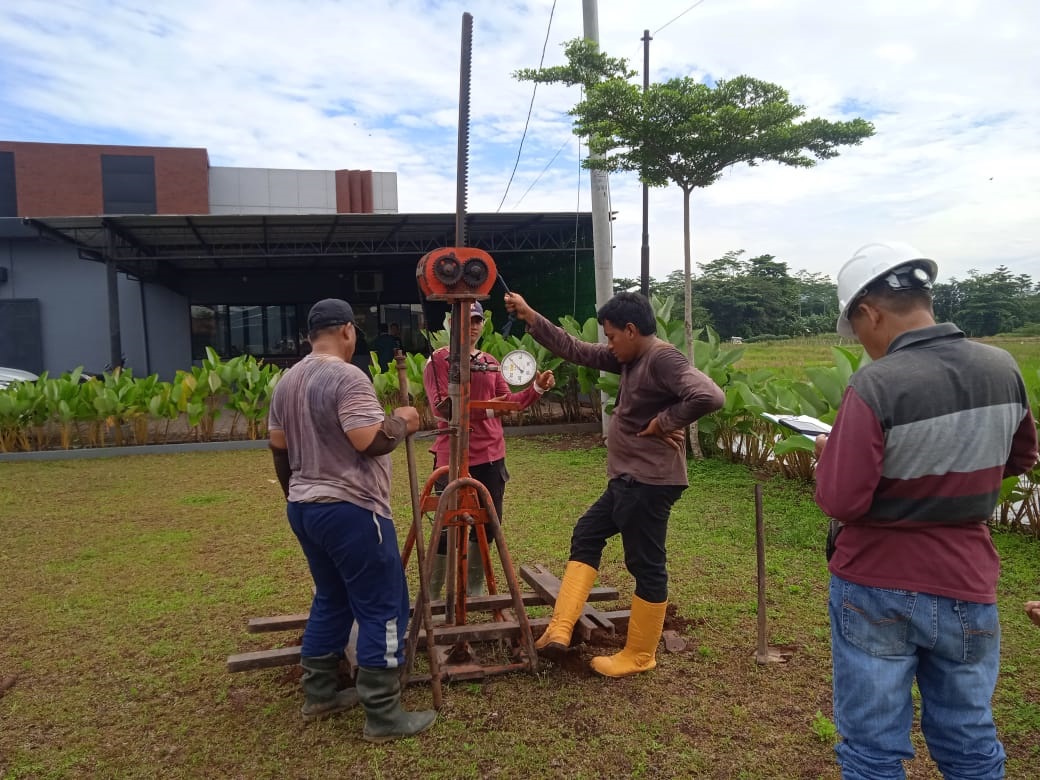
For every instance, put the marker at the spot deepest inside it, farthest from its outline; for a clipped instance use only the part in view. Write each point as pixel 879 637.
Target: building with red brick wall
pixel 74 180
pixel 152 253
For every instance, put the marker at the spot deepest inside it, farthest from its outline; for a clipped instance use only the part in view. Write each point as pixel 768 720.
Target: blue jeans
pixel 880 641
pixel 358 575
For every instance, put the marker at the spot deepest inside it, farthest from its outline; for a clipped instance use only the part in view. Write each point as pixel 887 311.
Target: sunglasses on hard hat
pixel 911 276
pixel 908 277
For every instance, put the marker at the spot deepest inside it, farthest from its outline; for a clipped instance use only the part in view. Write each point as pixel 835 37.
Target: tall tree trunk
pixel 693 442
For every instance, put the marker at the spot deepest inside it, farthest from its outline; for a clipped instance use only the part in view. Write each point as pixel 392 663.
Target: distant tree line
pixel 756 297
pixel 987 304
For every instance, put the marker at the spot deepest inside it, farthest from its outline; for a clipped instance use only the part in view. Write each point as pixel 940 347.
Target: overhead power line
pixel 530 108
pixel 540 175
pixel 677 17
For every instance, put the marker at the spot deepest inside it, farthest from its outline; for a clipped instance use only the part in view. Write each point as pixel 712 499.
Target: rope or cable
pixel 530 108
pixel 540 175
pixel 677 17
pixel 639 48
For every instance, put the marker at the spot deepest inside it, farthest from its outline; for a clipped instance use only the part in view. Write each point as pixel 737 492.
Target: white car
pixel 9 375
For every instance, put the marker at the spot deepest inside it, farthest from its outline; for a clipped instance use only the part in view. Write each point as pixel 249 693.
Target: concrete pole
pixel 644 249
pixel 602 248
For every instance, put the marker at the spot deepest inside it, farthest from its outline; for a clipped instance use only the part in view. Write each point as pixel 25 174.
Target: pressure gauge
pixel 518 367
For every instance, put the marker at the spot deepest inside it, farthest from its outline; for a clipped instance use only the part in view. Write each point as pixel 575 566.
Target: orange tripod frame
pixel 462 275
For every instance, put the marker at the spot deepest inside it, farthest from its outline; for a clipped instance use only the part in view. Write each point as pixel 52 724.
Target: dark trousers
pixel 638 512
pixel 494 476
pixel 356 565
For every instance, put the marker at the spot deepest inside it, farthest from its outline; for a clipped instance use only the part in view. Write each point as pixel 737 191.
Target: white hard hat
pixel 872 261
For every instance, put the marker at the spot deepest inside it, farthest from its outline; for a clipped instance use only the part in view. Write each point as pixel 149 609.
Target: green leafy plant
pixel 824 728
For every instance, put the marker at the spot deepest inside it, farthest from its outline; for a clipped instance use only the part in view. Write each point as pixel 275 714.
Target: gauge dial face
pixel 519 367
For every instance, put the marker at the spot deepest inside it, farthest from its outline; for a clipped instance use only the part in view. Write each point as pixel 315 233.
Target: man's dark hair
pixel 626 307
pixel 898 302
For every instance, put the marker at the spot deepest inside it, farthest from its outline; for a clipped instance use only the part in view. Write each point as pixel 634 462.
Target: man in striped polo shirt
pixel 912 471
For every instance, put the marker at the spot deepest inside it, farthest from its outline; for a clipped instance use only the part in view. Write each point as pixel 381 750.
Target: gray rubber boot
pixel 475 584
pixel 440 569
pixel 320 676
pixel 380 692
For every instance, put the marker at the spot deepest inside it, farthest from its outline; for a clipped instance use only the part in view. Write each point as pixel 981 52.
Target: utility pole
pixel 601 239
pixel 644 251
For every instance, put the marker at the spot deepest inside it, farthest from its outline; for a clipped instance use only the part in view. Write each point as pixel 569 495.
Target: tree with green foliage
pixel 817 303
pixel 688 133
pixel 750 297
pixel 747 297
pixel 670 287
pixel 992 303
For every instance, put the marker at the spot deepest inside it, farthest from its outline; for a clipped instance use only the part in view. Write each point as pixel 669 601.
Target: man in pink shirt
pixel 487 444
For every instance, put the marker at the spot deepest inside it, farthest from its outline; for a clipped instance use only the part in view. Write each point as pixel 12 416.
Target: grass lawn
pixel 128 581
pixel 789 358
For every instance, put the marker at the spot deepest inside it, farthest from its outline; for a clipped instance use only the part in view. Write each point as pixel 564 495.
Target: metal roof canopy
pixel 149 245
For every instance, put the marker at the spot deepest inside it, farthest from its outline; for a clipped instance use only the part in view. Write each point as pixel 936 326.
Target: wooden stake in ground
pixel 764 654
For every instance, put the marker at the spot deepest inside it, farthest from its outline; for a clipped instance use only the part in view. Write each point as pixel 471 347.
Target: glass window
pixel 260 330
pixel 246 325
pixel 128 184
pixel 282 335
pixel 208 329
pixel 405 320
pixel 8 191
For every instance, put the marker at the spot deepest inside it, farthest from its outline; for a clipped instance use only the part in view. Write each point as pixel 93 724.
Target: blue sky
pixel 951 86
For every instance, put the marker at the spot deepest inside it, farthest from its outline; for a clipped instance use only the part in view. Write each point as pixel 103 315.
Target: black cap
pixel 329 312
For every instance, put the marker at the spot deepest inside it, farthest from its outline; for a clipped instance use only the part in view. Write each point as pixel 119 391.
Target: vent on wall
pixel 368 281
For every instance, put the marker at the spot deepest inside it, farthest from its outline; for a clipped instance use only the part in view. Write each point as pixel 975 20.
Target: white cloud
pixel 950 85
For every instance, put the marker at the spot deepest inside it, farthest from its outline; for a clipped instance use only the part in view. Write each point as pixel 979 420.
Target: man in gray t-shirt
pixel 331 440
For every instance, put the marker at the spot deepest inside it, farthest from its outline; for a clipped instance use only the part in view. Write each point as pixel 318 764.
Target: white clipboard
pixel 809 427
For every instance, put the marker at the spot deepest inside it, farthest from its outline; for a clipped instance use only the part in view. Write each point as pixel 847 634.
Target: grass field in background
pixel 789 358
pixel 128 581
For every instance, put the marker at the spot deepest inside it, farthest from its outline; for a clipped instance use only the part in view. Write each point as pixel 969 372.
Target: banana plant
pixel 66 403
pixel 162 407
pixel 114 396
pixel 15 409
pixel 387 386
pixel 250 396
pixel 189 394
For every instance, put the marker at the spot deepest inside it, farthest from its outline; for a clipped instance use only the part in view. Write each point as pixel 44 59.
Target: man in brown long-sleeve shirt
pixel 659 395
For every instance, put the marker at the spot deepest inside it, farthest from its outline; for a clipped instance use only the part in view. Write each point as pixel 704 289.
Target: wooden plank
pixel 461 672
pixel 547 585
pixel 264 659
pixel 442 635
pixel 259 625
pixel 618 619
pixel 482 632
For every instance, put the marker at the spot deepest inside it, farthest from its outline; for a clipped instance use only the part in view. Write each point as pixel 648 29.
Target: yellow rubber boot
pixel 574 590
pixel 640 653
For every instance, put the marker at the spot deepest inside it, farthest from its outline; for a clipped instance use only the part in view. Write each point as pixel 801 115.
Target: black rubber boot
pixel 380 692
pixel 320 676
